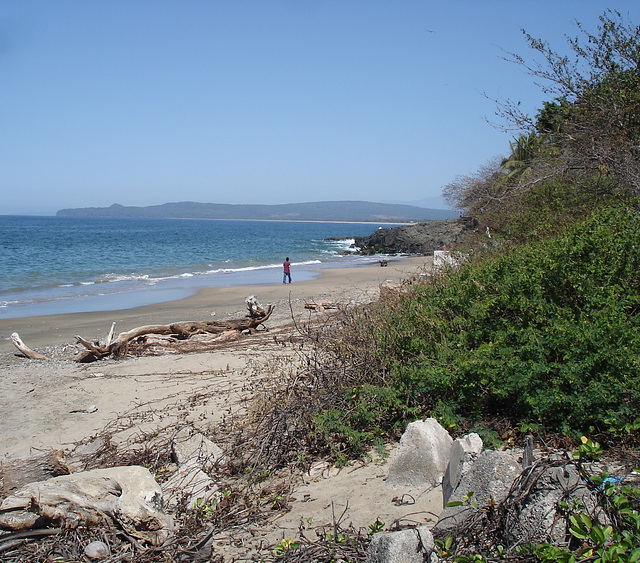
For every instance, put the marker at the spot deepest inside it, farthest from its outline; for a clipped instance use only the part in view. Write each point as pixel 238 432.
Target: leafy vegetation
pixel 540 325
pixel 544 333
pixel 579 151
pixel 615 541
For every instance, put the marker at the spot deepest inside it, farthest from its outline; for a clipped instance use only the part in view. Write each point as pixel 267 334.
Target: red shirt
pixel 287 267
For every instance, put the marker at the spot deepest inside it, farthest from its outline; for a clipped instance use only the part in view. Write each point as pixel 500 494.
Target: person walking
pixel 287 271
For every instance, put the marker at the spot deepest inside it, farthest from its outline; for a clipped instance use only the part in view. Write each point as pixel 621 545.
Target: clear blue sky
pixel 142 102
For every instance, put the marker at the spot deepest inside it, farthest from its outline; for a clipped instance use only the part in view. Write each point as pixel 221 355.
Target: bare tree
pixel 596 109
pixel 583 145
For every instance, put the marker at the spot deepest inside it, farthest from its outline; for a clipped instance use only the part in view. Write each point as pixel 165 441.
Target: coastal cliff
pixel 420 238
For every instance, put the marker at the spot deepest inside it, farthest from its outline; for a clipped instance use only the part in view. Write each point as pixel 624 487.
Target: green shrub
pixel 544 210
pixel 615 541
pixel 544 333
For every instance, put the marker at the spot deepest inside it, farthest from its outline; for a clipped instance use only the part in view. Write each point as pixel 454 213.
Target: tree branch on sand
pixel 117 347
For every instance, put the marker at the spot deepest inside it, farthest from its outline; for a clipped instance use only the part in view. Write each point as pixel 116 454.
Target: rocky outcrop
pixel 420 238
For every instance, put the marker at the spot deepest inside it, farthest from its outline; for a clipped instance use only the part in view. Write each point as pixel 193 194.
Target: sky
pixel 143 102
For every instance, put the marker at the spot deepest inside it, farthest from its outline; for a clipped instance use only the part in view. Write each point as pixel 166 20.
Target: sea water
pixel 52 265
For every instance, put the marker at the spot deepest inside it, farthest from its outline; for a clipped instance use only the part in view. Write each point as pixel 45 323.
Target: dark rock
pixel 420 238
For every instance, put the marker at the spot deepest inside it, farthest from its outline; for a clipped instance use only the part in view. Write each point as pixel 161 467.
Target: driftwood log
pixel 117 347
pixel 322 305
pixel 25 350
pixel 127 496
pixel 17 473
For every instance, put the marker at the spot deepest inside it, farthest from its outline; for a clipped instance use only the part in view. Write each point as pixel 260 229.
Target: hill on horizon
pixel 343 211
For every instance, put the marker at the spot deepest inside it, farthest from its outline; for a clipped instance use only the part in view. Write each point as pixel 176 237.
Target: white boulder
pixel 422 456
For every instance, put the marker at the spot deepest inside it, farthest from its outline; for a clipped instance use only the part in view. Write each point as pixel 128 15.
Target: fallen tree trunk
pixel 183 330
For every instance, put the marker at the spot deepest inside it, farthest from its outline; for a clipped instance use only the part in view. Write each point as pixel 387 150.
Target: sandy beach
pixel 38 397
pixel 340 284
pixel 54 405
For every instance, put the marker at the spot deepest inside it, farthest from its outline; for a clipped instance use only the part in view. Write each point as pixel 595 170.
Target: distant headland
pixel 341 211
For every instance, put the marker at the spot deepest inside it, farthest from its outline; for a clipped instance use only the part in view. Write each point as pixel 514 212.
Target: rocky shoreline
pixel 419 238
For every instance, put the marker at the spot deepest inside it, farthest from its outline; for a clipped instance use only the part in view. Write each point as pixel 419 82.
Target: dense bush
pixel 545 333
pixel 543 211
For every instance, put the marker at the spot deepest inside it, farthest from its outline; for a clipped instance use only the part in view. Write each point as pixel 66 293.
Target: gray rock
pixel 91 448
pixel 189 445
pixel 422 455
pixel 97 550
pixel 535 517
pixel 406 546
pixel 464 451
pixel 490 476
pixel 191 484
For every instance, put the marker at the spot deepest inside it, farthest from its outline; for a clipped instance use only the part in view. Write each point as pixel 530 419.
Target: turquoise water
pixel 70 264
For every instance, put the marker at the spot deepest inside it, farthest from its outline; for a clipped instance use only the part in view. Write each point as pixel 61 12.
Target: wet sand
pixel 340 284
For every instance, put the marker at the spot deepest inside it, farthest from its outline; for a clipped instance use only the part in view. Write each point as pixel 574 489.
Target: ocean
pixel 52 265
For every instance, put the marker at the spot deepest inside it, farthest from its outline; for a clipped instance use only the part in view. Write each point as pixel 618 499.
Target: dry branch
pixel 183 330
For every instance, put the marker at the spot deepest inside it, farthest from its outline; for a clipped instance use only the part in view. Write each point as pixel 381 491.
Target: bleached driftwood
pixel 109 339
pixel 125 497
pixel 183 330
pixel 25 350
pixel 17 473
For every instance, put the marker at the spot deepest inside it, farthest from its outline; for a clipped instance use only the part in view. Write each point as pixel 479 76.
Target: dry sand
pixel 51 405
